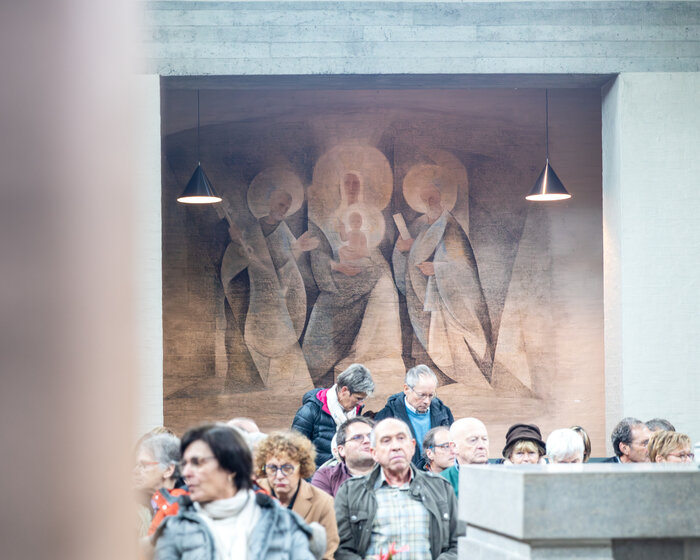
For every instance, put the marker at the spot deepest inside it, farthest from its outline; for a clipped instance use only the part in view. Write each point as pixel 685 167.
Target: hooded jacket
pixel 314 420
pixel 440 415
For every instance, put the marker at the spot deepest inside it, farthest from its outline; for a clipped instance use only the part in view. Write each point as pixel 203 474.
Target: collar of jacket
pixel 414 484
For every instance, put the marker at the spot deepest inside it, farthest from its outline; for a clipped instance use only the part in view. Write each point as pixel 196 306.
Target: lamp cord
pixel 546 121
pixel 198 156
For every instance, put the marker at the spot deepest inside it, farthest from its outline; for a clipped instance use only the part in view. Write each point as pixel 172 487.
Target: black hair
pixel 623 433
pixel 342 432
pixel 229 448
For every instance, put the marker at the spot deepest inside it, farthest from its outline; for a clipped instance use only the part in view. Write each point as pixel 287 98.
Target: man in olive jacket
pixel 396 503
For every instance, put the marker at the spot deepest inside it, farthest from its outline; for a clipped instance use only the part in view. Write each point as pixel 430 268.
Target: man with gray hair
pixel 656 424
pixel 324 410
pixel 629 440
pixel 396 503
pixel 419 407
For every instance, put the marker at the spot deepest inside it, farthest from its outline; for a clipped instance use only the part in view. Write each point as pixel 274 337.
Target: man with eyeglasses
pixel 324 410
pixel 629 441
pixel 419 407
pixel 438 450
pixel 355 456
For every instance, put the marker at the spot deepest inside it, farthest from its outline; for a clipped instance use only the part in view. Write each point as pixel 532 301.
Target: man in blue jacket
pixel 419 407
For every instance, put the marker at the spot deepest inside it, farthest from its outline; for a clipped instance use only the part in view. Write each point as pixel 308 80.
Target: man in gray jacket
pixel 396 503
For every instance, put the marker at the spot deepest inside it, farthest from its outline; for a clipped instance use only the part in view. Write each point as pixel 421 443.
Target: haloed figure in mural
pixel 356 315
pixel 436 270
pixel 277 302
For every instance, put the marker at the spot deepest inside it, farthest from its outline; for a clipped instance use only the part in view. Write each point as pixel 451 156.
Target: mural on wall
pixel 359 230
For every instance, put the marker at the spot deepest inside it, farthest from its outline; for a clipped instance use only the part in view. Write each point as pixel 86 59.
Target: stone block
pixel 594 511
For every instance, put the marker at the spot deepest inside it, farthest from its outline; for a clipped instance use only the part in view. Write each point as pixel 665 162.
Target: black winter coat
pixel 315 421
pixel 440 415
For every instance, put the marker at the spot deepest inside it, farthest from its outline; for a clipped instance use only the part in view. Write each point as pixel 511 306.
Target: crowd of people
pixel 340 484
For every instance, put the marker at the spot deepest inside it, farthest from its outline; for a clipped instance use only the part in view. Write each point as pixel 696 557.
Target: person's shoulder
pixel 431 477
pixel 310 397
pixel 439 404
pixel 449 472
pixel 319 496
pixel 391 407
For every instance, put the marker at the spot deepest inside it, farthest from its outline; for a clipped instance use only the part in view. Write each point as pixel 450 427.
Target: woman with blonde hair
pixel 669 447
pixel 283 461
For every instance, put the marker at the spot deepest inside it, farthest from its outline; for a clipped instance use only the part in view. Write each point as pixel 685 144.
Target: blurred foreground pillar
pixel 66 303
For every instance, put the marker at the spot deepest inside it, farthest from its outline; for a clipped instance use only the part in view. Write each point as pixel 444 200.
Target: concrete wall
pixel 148 269
pixel 650 124
pixel 302 37
pixel 651 200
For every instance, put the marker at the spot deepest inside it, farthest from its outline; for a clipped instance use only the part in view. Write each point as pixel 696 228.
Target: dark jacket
pixel 440 415
pixel 314 420
pixel 356 508
pixel 280 534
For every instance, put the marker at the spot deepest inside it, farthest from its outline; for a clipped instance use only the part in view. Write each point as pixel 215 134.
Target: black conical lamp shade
pixel 548 186
pixel 199 189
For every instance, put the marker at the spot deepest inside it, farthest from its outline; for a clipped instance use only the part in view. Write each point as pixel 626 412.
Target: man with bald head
pixel 396 503
pixel 472 447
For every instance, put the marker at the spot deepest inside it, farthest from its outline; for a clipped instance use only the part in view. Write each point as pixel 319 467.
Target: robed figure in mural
pixel 435 268
pixel 356 315
pixel 269 251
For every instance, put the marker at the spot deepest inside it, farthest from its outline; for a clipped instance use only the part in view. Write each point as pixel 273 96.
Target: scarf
pixel 338 413
pixel 231 521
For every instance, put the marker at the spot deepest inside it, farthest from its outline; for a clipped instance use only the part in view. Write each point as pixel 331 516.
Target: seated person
pixel 156 476
pixel 524 445
pixel 666 446
pixel 586 442
pixel 565 446
pixel 283 460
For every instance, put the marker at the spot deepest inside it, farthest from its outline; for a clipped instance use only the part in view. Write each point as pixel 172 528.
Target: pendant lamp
pixel 199 189
pixel 548 185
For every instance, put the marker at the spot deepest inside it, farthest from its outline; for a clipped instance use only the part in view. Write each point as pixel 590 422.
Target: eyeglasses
pixel 683 456
pixel 286 469
pixel 195 462
pixel 359 397
pixel 359 438
pixel 143 465
pixel 423 396
pixel 444 446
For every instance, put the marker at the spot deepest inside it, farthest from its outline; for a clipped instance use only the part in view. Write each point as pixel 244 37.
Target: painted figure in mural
pixel 277 302
pixel 356 315
pixel 354 252
pixel 435 268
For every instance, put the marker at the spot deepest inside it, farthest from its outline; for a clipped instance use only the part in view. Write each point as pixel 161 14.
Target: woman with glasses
pixel 283 461
pixel 222 518
pixel 669 447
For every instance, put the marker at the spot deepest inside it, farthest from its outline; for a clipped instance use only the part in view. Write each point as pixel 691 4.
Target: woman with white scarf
pixel 223 518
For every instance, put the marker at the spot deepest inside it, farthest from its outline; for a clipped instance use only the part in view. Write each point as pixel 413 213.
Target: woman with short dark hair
pixel 223 519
